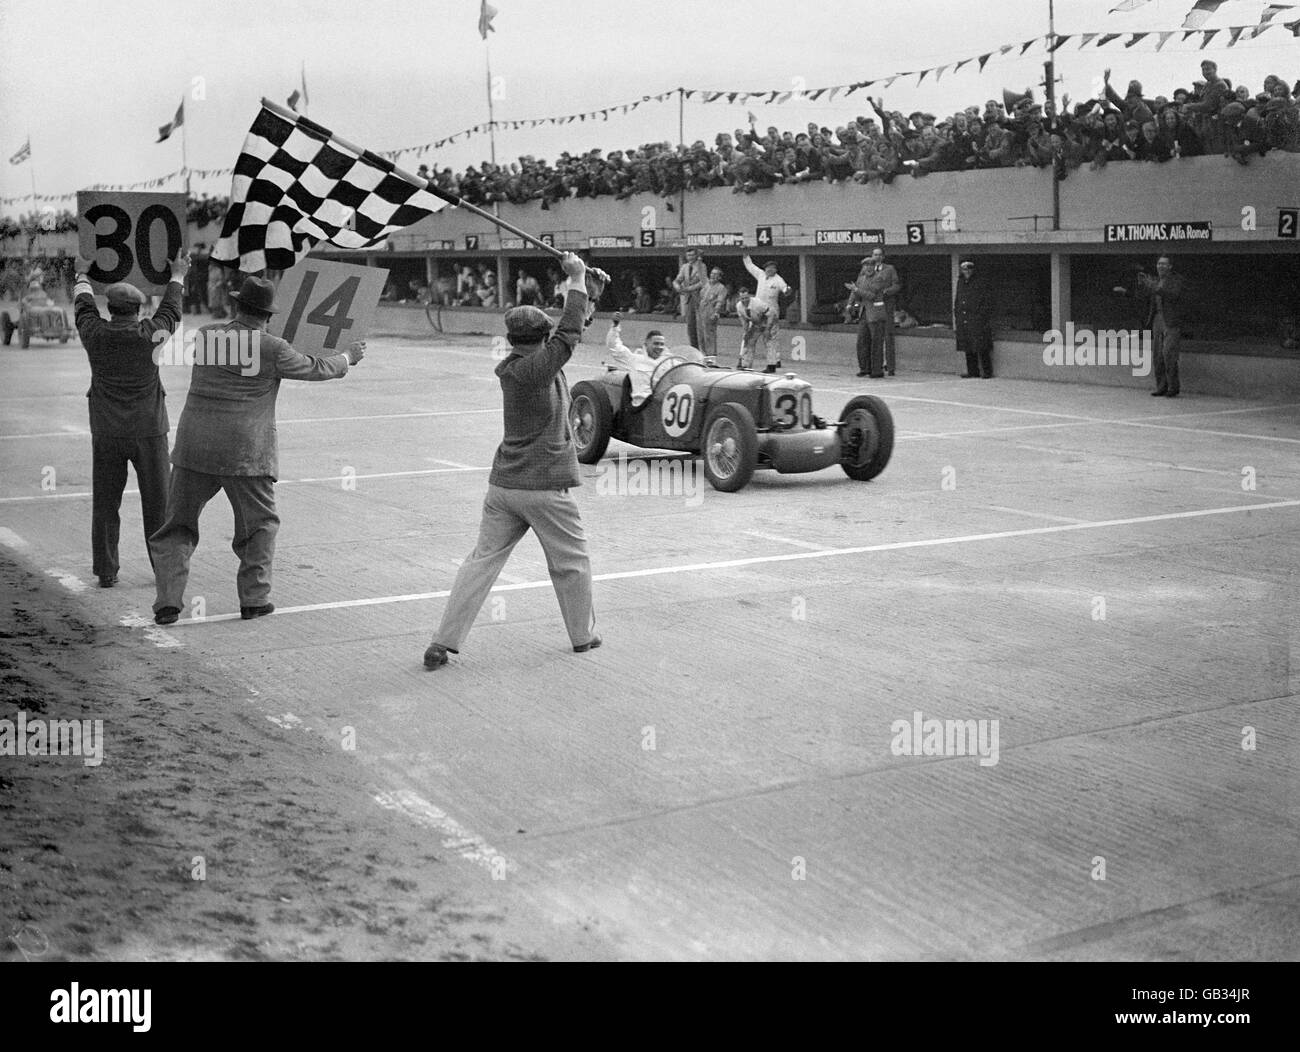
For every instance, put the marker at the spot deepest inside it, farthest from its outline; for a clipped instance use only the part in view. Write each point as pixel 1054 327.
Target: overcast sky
pixel 93 81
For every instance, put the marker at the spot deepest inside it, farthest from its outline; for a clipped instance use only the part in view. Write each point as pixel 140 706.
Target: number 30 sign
pixel 324 305
pixel 130 237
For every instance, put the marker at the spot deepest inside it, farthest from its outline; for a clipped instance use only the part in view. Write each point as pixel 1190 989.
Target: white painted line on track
pixel 1032 514
pixel 757 560
pixel 455 837
pixel 70 581
pixel 70 432
pixel 153 633
pixel 11 540
pixel 786 540
pixel 85 495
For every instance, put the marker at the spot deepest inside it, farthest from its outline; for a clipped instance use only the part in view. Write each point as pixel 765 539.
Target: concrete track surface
pixel 1107 579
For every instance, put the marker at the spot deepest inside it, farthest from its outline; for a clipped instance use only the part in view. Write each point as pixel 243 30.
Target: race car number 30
pixel 678 407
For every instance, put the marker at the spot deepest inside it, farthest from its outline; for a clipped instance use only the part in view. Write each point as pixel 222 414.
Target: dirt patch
pixel 205 833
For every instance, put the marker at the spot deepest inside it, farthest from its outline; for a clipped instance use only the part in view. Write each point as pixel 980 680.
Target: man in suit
pixel 128 406
pixel 689 284
pixel 1167 303
pixel 535 467
pixel 972 320
pixel 876 288
pixel 226 441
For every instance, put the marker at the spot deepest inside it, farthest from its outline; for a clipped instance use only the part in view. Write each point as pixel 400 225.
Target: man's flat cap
pixel 527 323
pixel 121 294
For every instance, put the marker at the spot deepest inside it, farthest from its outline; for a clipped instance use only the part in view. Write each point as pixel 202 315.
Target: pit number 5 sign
pixel 130 237
pixel 324 305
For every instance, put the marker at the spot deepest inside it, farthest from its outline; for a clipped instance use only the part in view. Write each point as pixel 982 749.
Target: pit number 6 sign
pixel 130 237
pixel 324 305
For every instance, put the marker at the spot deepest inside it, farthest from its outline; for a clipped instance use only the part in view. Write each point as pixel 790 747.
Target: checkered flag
pixel 296 184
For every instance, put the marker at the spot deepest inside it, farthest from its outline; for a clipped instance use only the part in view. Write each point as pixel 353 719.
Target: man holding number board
pixel 226 441
pixel 128 406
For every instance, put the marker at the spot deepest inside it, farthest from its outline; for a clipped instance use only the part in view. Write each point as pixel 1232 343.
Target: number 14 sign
pixel 324 305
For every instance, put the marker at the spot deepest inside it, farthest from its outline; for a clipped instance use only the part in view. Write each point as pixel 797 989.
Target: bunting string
pixel 766 96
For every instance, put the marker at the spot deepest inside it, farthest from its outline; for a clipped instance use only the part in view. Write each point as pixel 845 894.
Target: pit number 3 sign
pixel 324 305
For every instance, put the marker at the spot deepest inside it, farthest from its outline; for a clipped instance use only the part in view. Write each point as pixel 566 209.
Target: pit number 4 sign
pixel 324 305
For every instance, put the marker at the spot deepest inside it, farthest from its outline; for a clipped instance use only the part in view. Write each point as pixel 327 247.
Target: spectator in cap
pixel 226 441
pixel 771 287
pixel 972 320
pixel 532 473
pixel 128 406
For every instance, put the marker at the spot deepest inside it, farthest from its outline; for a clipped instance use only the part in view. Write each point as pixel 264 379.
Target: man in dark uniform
pixel 972 318
pixel 226 441
pixel 128 408
pixel 532 473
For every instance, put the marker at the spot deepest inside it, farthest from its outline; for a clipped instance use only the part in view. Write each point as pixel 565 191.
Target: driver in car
pixel 39 302
pixel 640 363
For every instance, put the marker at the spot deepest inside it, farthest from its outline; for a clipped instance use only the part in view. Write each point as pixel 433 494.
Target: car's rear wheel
pixel 729 447
pixel 591 420
pixel 6 328
pixel 866 433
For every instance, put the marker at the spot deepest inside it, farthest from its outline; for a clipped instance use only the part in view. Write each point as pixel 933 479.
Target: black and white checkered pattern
pixel 295 185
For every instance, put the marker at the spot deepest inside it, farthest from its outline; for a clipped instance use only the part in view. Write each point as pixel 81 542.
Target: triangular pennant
pixel 1209 34
pixel 961 63
pixel 1200 14
pixel 1107 39
pixel 834 91
pixel 1135 38
pixel 920 78
pixel 1164 39
pixel 1236 32
pixel 1027 45
pixel 939 73
pixel 984 59
pixel 784 97
pixel 1059 41
pixel 1087 39
pixel 817 94
pixel 890 81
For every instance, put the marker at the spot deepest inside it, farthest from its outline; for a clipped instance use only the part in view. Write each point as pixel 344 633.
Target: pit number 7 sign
pixel 324 305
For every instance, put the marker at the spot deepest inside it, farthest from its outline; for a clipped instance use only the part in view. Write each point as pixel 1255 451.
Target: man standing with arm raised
pixel 128 406
pixel 226 441
pixel 534 468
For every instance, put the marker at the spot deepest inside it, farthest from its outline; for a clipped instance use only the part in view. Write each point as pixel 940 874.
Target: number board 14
pixel 130 237
pixel 325 305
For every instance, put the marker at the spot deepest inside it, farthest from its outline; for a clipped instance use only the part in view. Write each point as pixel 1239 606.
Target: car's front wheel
pixel 591 420
pixel 866 431
pixel 729 447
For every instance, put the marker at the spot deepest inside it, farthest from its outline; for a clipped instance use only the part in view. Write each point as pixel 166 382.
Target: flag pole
pixel 492 120
pixel 32 171
pixel 185 165
pixel 425 184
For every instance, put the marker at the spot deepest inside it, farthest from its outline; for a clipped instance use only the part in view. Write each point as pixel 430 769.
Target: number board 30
pixel 678 408
pixel 325 305
pixel 130 237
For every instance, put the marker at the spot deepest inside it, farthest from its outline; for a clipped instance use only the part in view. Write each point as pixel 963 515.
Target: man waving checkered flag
pixel 296 184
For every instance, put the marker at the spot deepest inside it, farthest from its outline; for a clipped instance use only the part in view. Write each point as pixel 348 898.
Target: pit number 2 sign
pixel 324 305
pixel 130 237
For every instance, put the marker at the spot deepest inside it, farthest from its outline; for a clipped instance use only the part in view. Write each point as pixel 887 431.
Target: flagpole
pixel 185 166
pixel 492 122
pixel 32 161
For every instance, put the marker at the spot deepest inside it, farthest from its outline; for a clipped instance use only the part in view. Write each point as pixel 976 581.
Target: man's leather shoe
pixel 877 376
pixel 250 612
pixel 862 374
pixel 167 615
pixel 970 376
pixel 591 644
pixel 107 580
pixel 1159 394
pixel 1171 394
pixel 435 656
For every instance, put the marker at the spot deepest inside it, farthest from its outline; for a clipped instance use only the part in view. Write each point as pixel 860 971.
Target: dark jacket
pixel 1168 296
pixel 126 394
pixel 228 424
pixel 972 307
pixel 537 450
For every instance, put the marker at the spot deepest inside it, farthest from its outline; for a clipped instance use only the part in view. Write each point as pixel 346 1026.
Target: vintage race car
pixel 737 421
pixel 51 323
